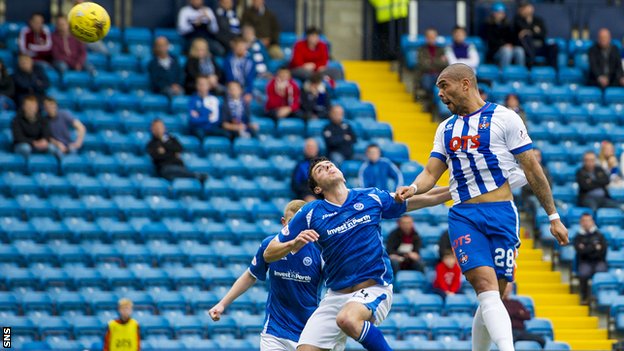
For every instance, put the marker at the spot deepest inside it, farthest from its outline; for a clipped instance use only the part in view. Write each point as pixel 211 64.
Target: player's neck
pixel 338 195
pixel 472 106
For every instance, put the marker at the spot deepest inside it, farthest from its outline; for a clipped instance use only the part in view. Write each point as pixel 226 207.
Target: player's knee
pixel 347 323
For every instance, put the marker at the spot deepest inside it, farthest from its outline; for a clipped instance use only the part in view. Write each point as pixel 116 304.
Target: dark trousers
pixel 532 51
pixel 172 172
pixel 523 335
pixel 586 270
pixel 599 202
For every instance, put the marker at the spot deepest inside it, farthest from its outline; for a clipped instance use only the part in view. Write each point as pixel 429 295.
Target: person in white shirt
pixel 461 52
pixel 196 20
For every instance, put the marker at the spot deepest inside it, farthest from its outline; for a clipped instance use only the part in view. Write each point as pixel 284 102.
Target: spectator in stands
pixel 498 34
pixel 7 88
pixel 31 132
pixel 519 314
pixel 431 61
pixel 404 245
pixel 444 244
pixel 164 70
pixel 315 100
pixel 67 51
pixel 593 181
pixel 461 52
pixel 123 333
pixel 35 40
pixel 205 111
pixel 531 33
pixel 448 276
pixel 61 123
pixel 236 116
pixel 512 102
pixel 229 23
pixel 166 153
pixel 198 21
pixel 267 28
pixel 200 63
pixel 311 55
pixel 240 67
pixel 591 253
pixel 299 180
pixel 257 51
pixel 282 96
pixel 609 162
pixel 29 79
pixel 605 64
pixel 484 94
pixel 339 137
pixel 378 171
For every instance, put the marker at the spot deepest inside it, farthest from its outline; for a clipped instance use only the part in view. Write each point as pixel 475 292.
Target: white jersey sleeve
pixel 516 136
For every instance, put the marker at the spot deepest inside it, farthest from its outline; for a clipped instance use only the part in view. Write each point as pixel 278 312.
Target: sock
pixel 481 340
pixel 372 339
pixel 496 319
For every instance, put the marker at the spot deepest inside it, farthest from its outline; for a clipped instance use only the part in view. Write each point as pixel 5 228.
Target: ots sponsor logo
pixel 352 223
pixel 294 276
pixel 462 240
pixel 465 142
pixel 327 215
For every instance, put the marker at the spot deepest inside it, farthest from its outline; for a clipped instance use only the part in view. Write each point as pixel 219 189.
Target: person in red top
pixel 448 276
pixel 282 95
pixel 311 55
pixel 35 39
pixel 67 51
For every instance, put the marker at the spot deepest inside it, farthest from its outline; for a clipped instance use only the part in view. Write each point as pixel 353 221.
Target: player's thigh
pixel 482 278
pixel 468 240
pixel 321 330
pixel 270 342
pixel 372 303
pixel 503 226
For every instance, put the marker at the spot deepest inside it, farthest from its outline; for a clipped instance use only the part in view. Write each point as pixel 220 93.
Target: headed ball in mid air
pixel 88 22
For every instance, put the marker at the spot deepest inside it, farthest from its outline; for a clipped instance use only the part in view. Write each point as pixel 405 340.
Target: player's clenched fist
pixel 404 192
pixel 559 231
pixel 215 312
pixel 305 237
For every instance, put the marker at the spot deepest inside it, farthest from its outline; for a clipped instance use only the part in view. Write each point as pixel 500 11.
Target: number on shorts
pixel 501 261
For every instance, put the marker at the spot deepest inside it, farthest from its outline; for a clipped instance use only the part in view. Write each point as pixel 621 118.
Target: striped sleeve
pixel 517 138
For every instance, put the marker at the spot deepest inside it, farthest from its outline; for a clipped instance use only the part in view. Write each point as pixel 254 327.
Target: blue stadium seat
pixel 570 75
pixel 513 73
pixel 86 277
pixel 70 302
pixel 99 61
pixel 411 170
pixel 35 301
pixel 291 126
pixel 98 207
pixel 42 163
pixel 182 276
pixel 149 102
pixel 11 162
pixel 356 109
pixel 556 346
pixel 52 184
pixel 427 303
pixel 396 152
pixel 76 79
pixel 530 93
pixel 226 325
pixel 486 72
pixel 74 163
pixel 106 80
pixel 117 185
pixel 459 304
pixel 199 209
pixel 169 300
pixel 136 35
pixel 217 277
pixel 124 62
pixel 148 276
pixel 101 163
pixel 133 253
pixel 544 74
pixel 150 230
pixel 248 146
pixel 614 95
pixel 82 229
pixel 52 277
pixel 164 208
pixel 166 253
pixel 34 206
pixel 132 207
pixel 9 208
pixel 608 216
pixel 588 94
pixel 445 327
pixel 155 325
pixel 527 345
pixel 540 326
pixel 344 89
pixel 17 230
pixel 615 258
pixel 213 145
pixel 86 326
pixel 49 229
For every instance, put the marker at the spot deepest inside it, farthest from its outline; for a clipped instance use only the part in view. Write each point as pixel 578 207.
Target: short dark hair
pixel 30 98
pixel 586 214
pixel 237 39
pixel 317 77
pixel 34 14
pixel 312 30
pixel 312 184
pixel 157 120
pixel 283 68
pixel 456 28
pixel 49 98
pixel 370 146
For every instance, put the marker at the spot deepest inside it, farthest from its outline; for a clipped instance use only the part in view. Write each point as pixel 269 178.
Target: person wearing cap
pixel 531 33
pixel 503 47
pixel 123 333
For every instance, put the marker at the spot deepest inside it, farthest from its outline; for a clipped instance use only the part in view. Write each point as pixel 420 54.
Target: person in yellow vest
pixel 123 333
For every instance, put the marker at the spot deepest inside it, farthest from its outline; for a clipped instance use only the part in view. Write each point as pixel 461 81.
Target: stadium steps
pixel 552 300
pixel 395 106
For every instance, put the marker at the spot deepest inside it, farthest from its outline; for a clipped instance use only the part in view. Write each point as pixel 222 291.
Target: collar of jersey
pixel 333 204
pixel 487 104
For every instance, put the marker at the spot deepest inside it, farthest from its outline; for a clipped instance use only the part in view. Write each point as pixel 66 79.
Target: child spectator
pixel 31 132
pixel 200 63
pixel 378 171
pixel 282 96
pixel 35 40
pixel 461 52
pixel 7 89
pixel 204 111
pixel 267 28
pixel 448 276
pixel 257 51
pixel 404 245
pixel 239 67
pixel 315 100
pixel 67 51
pixel 29 79
pixel 61 123
pixel 236 116
pixel 123 333
pixel 339 137
pixel 311 55
pixel 164 70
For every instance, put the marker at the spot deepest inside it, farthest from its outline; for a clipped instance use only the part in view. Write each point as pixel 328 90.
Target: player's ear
pixel 317 190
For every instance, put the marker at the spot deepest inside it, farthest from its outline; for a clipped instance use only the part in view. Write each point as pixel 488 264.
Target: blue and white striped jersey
pixel 479 150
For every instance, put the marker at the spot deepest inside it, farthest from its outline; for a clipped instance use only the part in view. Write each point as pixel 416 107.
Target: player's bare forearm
pixel 427 179
pixel 242 284
pixel 433 197
pixel 537 180
pixel 276 250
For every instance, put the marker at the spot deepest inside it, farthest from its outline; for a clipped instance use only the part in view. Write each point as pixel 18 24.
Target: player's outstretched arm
pixel 277 249
pixel 242 284
pixel 539 184
pixel 433 197
pixel 425 181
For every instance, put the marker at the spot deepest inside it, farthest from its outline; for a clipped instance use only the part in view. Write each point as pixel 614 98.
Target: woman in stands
pixel 200 63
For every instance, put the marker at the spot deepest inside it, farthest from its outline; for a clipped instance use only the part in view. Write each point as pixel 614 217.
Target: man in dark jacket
pixel 31 132
pixel 531 33
pixel 29 79
pixel 519 314
pixel 164 71
pixel 404 245
pixel 265 23
pixel 166 152
pixel 591 253
pixel 431 61
pixel 605 64
pixel 339 137
pixel 498 33
pixel 299 181
pixel 592 181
